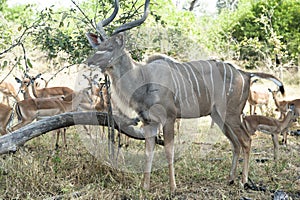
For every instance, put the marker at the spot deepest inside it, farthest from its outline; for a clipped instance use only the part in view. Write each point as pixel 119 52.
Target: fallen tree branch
pixel 12 141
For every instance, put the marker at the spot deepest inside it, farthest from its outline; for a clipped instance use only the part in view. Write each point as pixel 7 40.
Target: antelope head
pixel 110 49
pixel 107 53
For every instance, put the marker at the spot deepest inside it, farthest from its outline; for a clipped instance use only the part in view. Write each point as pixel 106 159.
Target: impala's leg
pixel 261 109
pixel 64 136
pixel 254 109
pixel 150 134
pixel 250 108
pixel 168 131
pixel 276 145
pixel 284 139
pixel 57 138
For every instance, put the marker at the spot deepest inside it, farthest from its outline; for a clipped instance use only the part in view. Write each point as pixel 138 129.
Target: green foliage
pixel 261 29
pixel 177 33
pixel 255 31
pixel 62 33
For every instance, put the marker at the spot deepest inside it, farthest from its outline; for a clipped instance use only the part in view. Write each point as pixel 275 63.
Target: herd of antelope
pixel 162 90
pixel 46 102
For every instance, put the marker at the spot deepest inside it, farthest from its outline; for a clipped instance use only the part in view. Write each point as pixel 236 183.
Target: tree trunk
pixel 12 141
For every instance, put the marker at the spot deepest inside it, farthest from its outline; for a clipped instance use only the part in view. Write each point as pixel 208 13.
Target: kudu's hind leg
pixel 150 134
pixel 236 147
pixel 168 131
pixel 239 133
pixel 236 151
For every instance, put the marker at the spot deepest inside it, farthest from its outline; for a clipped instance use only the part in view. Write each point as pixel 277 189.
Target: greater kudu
pixel 163 89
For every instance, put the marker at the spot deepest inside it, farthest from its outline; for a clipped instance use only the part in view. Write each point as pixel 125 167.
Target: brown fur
pixel 270 126
pixel 5 115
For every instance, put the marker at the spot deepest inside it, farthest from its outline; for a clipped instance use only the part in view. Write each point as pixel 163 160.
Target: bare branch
pixel 19 40
pixel 11 142
pixel 60 70
pixel 85 16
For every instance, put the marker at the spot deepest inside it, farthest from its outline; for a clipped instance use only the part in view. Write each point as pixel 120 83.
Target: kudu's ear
pixel 93 39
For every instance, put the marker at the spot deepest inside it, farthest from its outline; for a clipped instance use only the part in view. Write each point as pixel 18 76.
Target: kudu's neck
pixel 122 66
pixel 126 78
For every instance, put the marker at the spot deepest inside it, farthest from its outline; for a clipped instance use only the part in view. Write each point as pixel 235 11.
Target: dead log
pixel 12 141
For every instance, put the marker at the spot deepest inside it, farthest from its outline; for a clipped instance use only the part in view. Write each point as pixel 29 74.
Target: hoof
pixel 247 186
pixel 230 182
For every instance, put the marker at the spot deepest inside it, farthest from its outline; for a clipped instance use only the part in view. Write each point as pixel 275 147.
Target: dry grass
pixel 39 172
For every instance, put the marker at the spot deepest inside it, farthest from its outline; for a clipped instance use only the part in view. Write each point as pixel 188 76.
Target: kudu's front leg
pixel 150 134
pixel 168 131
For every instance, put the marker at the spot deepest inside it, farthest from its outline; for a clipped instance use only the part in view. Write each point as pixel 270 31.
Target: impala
pixel 31 109
pixel 257 98
pixel 282 107
pixel 5 116
pixel 163 89
pixel 8 90
pixel 48 92
pixel 96 86
pixel 270 126
pixel 24 88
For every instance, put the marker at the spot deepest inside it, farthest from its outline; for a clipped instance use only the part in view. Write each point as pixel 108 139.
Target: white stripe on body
pixel 197 83
pixel 190 80
pixel 183 83
pixel 211 77
pixel 175 83
pixel 205 84
pixel 224 84
pixel 231 79
pixel 243 84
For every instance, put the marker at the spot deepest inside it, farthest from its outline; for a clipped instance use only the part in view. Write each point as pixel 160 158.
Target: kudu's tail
pixel 271 78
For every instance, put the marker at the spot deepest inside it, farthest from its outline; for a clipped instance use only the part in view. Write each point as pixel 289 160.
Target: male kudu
pixel 163 89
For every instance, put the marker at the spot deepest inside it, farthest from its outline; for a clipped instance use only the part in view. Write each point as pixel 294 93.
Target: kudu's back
pixel 198 88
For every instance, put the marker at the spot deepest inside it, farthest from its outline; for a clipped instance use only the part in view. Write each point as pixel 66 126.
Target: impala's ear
pixel 38 76
pixel 18 80
pixel 120 40
pixel 93 39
